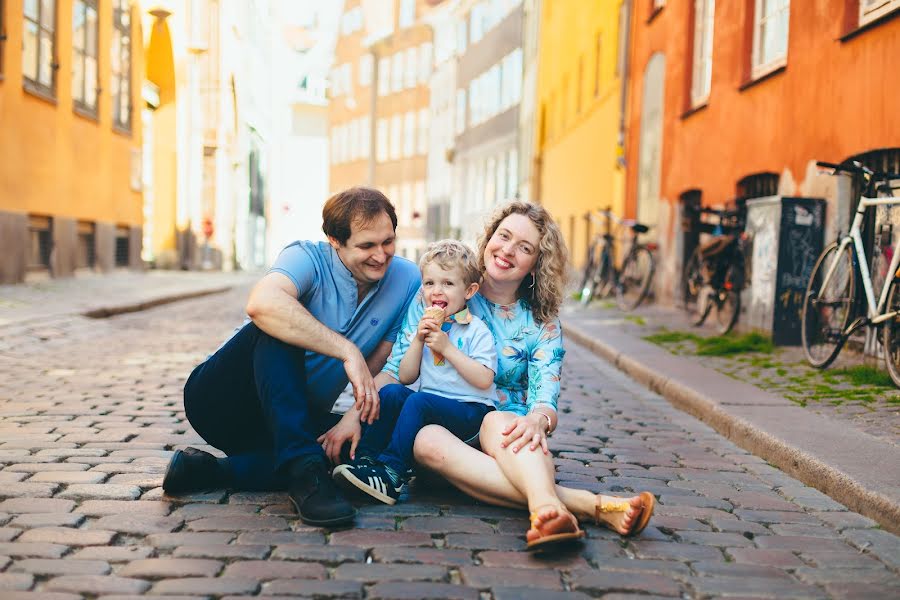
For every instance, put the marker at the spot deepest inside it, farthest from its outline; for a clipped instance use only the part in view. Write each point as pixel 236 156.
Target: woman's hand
pixel 528 430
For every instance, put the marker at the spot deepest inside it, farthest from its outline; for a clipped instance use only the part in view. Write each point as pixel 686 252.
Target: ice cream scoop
pixel 434 312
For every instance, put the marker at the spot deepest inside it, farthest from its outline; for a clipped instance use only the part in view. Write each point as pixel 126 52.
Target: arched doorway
pixel 159 149
pixel 651 139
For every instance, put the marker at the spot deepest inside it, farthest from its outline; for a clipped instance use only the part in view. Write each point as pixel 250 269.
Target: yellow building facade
pixel 577 166
pixel 70 147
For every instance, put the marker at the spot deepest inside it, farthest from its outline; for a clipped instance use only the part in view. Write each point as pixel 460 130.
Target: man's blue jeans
pixel 249 400
pixel 404 412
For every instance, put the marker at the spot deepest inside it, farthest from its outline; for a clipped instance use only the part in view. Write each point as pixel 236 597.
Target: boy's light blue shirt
pixel 442 379
pixel 329 292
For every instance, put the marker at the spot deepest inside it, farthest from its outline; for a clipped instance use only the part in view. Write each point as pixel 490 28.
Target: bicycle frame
pixel 855 237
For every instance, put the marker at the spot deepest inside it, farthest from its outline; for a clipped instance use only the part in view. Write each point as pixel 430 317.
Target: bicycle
pixel 631 283
pixel 715 273
pixel 831 293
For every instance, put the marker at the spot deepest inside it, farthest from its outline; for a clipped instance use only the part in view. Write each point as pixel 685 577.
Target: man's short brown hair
pixel 357 205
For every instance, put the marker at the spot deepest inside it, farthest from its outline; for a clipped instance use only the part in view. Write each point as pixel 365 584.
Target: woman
pixel 523 258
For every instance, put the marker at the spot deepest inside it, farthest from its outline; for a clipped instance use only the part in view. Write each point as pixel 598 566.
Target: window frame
pixel 35 85
pixel 126 74
pixel 759 69
pixel 704 34
pixel 81 55
pixel 867 16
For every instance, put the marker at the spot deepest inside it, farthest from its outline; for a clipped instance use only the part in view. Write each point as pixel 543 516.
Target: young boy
pixel 452 355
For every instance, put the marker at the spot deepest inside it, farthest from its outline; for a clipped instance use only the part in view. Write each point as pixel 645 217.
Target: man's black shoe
pixel 314 495
pixel 192 470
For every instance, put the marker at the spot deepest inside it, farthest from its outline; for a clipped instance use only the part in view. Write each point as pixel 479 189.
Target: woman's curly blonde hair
pixel 546 294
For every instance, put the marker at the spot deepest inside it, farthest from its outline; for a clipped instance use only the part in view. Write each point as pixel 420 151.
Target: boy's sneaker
pixel 361 460
pixel 374 478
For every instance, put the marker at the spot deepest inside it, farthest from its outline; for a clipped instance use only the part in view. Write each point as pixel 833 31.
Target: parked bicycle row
pixel 833 308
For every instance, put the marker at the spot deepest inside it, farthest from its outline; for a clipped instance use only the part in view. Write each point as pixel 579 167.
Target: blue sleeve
pixel 412 292
pixel 297 265
pixel 401 343
pixel 482 347
pixel 545 366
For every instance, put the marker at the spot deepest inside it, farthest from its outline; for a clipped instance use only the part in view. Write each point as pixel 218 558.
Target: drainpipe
pixel 626 46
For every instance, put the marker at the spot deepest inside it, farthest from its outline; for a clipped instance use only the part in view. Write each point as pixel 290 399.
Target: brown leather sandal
pixel 561 528
pixel 623 505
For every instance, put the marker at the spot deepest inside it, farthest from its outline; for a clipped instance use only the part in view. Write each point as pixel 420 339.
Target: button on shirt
pixel 329 292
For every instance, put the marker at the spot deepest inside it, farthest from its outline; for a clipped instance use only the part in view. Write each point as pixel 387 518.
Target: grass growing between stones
pixel 865 375
pixel 719 345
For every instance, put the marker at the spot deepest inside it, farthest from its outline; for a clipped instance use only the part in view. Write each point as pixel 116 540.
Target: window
pixel 407 13
pixel 352 140
pixel 869 10
pixel 39 46
pixel 460 111
pixel 701 75
pixel 409 134
pixel 384 76
pixel 770 35
pixel 397 73
pixel 419 202
pixel 476 23
pixel 422 138
pixel 461 36
pixel 412 66
pixel 512 172
pixel 84 55
pixel 381 140
pixel 365 70
pixel 425 61
pixel 396 125
pixel 121 64
pixel 365 137
pixel 598 63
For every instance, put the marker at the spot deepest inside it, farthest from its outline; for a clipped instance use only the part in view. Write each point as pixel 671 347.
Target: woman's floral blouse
pixel 529 354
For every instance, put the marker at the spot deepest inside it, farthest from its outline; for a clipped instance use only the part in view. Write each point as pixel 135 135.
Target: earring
pixel 533 281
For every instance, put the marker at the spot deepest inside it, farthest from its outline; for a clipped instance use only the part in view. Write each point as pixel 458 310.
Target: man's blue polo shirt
pixel 328 291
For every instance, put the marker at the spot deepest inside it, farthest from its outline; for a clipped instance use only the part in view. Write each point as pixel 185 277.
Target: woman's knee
pixel 492 430
pixel 430 447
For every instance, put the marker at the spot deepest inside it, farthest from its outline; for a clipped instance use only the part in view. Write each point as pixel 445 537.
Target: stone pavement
pixel 90 411
pixel 739 398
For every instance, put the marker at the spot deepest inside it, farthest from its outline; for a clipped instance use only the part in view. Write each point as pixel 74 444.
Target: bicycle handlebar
pixel 859 169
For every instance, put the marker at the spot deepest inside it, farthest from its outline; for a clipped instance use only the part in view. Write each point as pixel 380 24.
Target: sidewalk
pixel 98 295
pixel 826 451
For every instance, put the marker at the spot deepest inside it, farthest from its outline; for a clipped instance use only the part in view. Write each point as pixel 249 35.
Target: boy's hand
pixel 426 326
pixel 438 341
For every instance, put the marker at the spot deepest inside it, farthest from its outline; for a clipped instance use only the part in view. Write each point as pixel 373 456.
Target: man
pixel 325 313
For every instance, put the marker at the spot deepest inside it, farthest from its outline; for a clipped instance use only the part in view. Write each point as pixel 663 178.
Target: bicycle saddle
pixel 716 245
pixel 639 228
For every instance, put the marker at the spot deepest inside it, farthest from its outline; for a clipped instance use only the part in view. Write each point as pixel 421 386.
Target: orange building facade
pixel 70 137
pixel 740 98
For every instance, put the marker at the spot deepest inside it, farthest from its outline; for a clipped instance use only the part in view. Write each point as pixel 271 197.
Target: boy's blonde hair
pixel 452 254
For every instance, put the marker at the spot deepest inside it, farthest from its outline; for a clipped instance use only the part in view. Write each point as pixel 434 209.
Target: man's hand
pixel 364 390
pixel 347 429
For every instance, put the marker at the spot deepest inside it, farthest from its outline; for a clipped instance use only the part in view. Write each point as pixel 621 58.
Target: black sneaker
pixel 314 495
pixel 375 479
pixel 192 471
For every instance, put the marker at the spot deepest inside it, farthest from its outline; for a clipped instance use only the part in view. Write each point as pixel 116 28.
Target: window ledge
pixel 86 113
pixel 654 13
pixel 39 92
pixel 121 130
pixel 695 109
pixel 763 77
pixel 863 27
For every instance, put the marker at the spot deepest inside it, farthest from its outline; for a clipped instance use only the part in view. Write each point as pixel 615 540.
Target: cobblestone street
pixel 90 411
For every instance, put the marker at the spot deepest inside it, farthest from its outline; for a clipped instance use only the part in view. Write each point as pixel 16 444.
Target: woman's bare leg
pixel 435 446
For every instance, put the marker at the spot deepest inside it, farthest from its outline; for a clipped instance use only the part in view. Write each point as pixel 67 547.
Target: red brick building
pixel 741 97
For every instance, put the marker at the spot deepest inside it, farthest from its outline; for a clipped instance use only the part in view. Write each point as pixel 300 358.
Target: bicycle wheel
pixel 605 280
pixel 891 334
pixel 634 281
pixel 586 292
pixel 695 290
pixel 728 301
pixel 827 310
